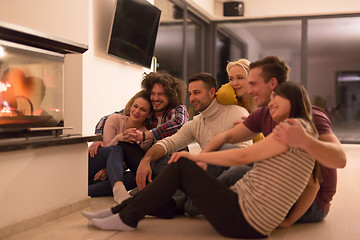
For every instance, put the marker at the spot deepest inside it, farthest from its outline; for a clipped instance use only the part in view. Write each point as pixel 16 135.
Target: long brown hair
pixel 141 94
pixel 300 108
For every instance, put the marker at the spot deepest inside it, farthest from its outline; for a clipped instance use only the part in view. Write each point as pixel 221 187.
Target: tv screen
pixel 134 31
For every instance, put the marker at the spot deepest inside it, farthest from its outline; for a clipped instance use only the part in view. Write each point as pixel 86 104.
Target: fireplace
pixel 32 82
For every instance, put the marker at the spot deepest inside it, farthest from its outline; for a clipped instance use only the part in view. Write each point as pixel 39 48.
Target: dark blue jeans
pixel 113 159
pixel 123 153
pixel 313 214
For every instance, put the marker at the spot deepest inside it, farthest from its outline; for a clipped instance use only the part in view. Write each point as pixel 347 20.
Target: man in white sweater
pixel 214 118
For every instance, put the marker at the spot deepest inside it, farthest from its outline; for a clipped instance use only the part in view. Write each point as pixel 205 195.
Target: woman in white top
pixel 255 205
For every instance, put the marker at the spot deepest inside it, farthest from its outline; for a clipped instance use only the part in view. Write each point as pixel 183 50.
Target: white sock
pixel 112 223
pixel 100 214
pixel 120 193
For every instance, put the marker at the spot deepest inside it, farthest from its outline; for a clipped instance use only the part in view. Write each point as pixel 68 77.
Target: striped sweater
pixel 270 189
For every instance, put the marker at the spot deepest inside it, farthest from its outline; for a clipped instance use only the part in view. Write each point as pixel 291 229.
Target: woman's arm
pixel 110 129
pixel 261 150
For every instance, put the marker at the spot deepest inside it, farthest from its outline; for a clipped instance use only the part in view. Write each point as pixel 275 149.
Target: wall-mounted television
pixel 134 30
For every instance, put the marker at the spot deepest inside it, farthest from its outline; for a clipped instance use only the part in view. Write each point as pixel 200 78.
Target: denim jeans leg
pixel 100 189
pixel 159 165
pixel 313 214
pixel 114 166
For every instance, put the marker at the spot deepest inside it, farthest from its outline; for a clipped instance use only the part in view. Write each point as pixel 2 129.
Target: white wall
pixel 108 82
pixel 96 84
pixel 49 17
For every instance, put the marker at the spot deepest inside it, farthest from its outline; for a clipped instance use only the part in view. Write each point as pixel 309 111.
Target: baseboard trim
pixel 43 218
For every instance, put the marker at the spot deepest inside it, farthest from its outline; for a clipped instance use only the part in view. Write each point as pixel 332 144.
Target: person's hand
pixel 138 135
pixel 239 121
pixel 183 154
pixel 291 133
pixel 101 175
pixel 129 135
pixel 94 147
pixel 202 165
pixel 285 224
pixel 143 172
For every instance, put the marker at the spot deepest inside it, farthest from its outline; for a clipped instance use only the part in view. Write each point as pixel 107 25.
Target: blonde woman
pixel 236 91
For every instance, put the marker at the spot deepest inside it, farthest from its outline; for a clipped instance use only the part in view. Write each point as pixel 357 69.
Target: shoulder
pixel 318 113
pixel 307 125
pixel 116 117
pixel 226 94
pixel 178 108
pixel 236 109
pixel 260 112
pixel 321 121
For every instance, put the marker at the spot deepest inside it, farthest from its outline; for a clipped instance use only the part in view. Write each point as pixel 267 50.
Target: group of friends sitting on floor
pixel 268 156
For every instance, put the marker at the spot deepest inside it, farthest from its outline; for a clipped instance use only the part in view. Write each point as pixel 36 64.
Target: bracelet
pixel 143 136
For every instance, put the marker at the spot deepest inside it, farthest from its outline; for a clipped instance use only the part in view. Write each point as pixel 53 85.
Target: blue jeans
pixel 124 153
pixel 313 214
pixel 233 174
pixel 96 163
pixel 159 165
pixel 113 158
pixel 104 188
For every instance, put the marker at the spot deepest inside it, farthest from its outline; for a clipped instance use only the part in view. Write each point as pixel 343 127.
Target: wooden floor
pixel 343 221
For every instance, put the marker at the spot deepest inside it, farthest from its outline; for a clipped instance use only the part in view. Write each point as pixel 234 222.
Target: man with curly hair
pixel 167 95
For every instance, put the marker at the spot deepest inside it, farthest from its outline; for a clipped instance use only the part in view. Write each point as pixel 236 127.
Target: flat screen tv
pixel 134 30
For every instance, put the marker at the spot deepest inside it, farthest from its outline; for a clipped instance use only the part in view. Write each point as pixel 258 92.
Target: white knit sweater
pixel 215 119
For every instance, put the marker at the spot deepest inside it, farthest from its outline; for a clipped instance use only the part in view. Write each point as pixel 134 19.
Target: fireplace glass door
pixel 31 87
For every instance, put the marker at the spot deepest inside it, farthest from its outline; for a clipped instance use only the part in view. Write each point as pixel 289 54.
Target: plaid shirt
pixel 171 121
pixel 99 128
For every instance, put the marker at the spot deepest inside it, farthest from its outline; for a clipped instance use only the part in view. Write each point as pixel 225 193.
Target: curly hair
pixel 175 89
pixel 272 66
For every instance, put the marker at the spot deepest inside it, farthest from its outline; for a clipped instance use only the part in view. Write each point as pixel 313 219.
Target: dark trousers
pixel 216 202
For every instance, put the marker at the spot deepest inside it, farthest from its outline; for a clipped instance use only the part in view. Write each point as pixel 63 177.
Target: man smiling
pixel 214 118
pixel 314 204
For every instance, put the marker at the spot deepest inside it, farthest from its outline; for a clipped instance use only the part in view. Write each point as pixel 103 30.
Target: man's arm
pixel 177 118
pixel 327 150
pixel 144 169
pixel 239 133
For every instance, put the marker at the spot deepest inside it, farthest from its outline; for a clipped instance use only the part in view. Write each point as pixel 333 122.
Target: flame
pixel 6 110
pixel 4 86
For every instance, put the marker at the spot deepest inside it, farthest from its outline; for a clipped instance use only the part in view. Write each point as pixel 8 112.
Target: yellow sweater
pixel 226 95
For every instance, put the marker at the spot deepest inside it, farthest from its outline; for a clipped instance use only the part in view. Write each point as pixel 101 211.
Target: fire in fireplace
pixel 31 87
pixel 31 82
